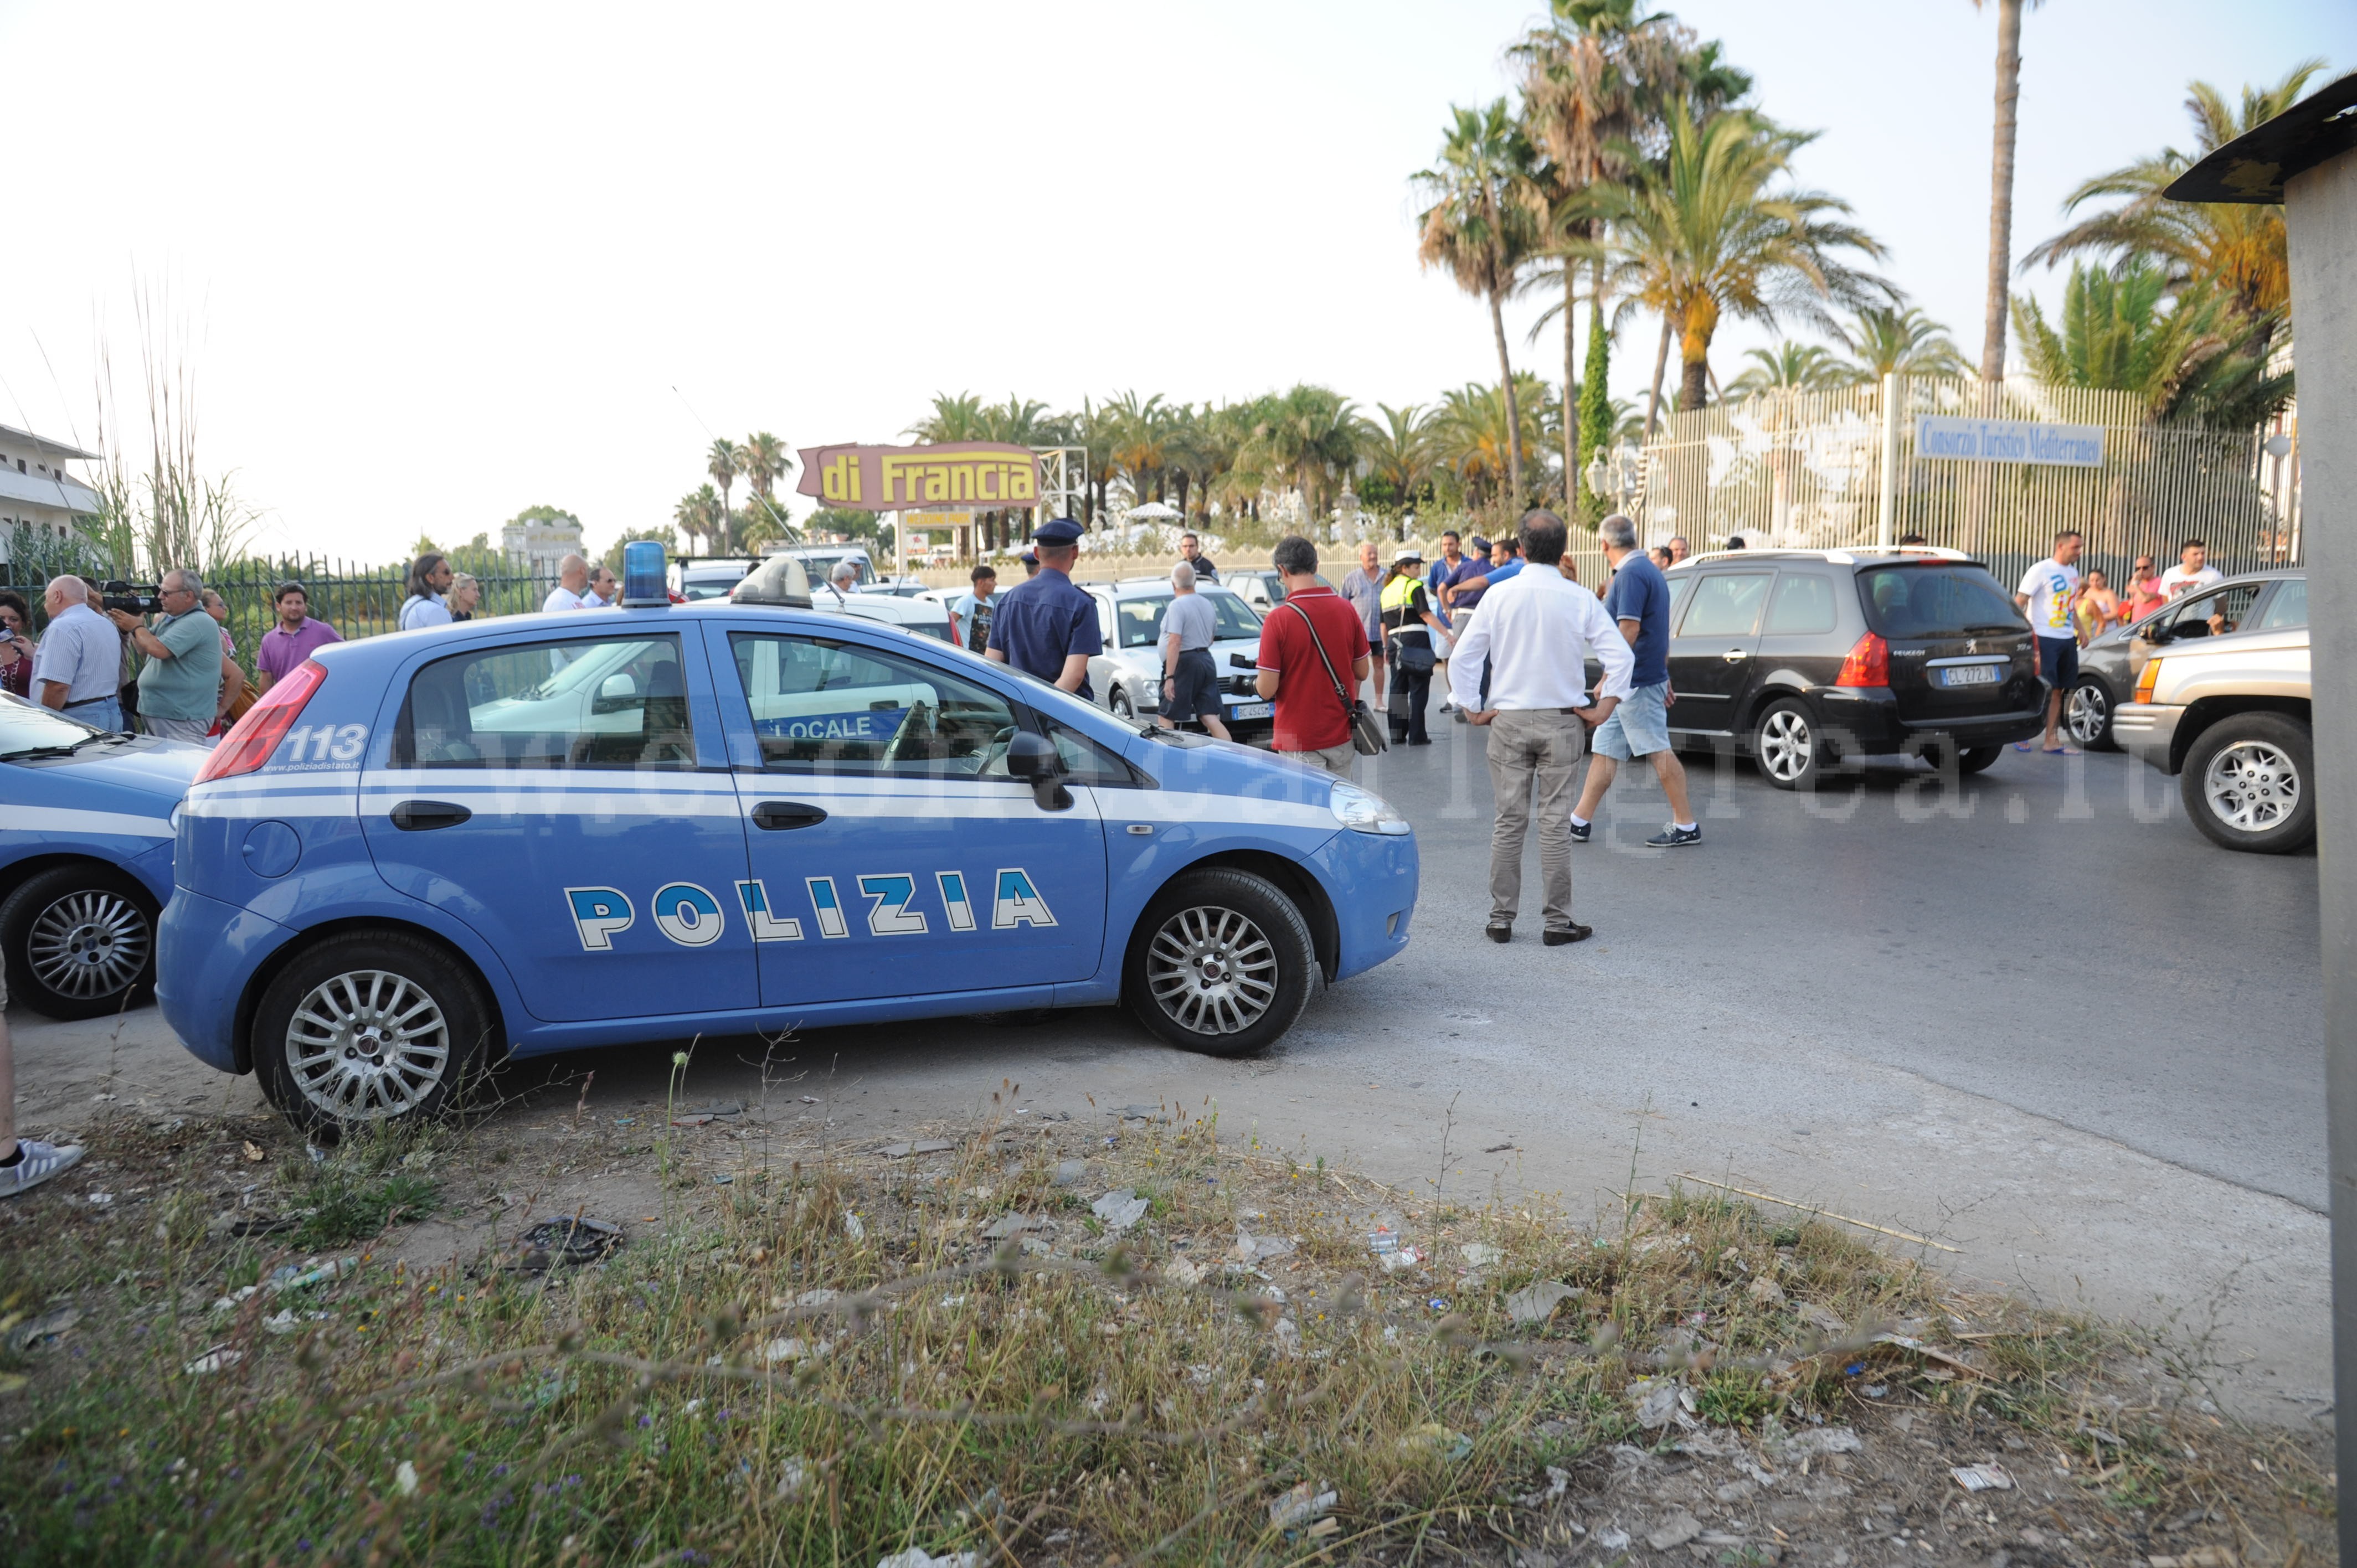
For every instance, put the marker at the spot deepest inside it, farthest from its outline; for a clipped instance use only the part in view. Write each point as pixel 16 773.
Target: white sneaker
pixel 36 1162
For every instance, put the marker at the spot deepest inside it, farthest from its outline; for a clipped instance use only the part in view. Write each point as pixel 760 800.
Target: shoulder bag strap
pixel 1340 695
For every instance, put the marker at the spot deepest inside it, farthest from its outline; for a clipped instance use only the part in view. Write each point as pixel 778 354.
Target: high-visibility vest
pixel 1399 593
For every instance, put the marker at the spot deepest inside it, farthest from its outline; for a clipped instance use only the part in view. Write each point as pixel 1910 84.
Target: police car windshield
pixel 27 729
pixel 1140 619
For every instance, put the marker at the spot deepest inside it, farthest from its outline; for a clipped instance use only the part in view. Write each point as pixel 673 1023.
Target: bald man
pixel 572 586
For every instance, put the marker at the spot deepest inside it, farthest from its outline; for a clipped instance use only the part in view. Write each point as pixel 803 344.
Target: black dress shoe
pixel 1575 934
pixel 1421 740
pixel 1499 933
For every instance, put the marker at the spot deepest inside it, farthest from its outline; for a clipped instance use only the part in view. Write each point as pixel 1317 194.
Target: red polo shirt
pixel 1308 717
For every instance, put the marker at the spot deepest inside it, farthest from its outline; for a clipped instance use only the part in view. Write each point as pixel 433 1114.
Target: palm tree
pixel 1787 366
pixel 2236 248
pixel 1308 436
pixel 763 459
pixel 1473 433
pixel 1481 226
pixel 720 462
pixel 955 418
pixel 697 514
pixel 2190 357
pixel 1886 339
pixel 1596 82
pixel 1139 430
pixel 1399 451
pixel 1712 234
pixel 2000 257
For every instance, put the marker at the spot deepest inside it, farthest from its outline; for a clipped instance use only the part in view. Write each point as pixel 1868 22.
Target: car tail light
pixel 2148 680
pixel 1869 663
pixel 250 744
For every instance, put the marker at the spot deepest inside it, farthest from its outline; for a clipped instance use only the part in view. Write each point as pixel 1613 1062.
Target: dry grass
pixel 829 1359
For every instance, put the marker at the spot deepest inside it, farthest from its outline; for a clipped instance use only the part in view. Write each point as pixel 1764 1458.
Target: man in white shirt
pixel 604 593
pixel 429 585
pixel 2192 572
pixel 78 669
pixel 1533 636
pixel 2048 594
pixel 571 592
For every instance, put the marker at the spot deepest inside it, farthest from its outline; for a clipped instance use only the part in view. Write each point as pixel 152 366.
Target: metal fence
pixel 358 601
pixel 1804 470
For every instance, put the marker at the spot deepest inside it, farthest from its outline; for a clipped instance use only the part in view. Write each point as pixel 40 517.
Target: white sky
pixel 442 263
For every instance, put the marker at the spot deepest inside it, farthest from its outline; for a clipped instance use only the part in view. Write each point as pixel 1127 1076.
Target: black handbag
pixel 1369 736
pixel 1417 658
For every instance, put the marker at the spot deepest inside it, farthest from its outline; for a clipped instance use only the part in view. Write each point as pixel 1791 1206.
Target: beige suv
pixel 2230 716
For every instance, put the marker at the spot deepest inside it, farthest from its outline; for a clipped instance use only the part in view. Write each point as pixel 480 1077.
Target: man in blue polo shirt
pixel 1045 626
pixel 1639 600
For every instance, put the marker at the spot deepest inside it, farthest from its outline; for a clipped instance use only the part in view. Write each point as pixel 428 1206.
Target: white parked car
pixel 1127 676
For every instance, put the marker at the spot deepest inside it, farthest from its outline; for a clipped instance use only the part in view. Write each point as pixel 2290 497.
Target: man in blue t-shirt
pixel 1639 600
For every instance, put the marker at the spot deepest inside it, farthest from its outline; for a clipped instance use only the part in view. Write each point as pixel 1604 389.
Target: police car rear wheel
pixel 81 942
pixel 1221 964
pixel 368 1029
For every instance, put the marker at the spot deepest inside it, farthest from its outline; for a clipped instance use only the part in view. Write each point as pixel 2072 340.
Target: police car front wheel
pixel 368 1028
pixel 1221 962
pixel 79 941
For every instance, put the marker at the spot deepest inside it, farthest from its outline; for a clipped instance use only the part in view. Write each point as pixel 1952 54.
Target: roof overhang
pixel 50 445
pixel 2252 167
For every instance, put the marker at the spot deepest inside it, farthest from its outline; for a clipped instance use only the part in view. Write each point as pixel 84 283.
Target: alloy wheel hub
pixel 1212 969
pixel 367 1044
pixel 2252 786
pixel 89 944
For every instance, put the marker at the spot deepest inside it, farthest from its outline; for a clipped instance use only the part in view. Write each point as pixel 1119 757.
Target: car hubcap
pixel 367 1045
pixel 2085 714
pixel 89 944
pixel 1212 971
pixel 2252 786
pixel 1784 744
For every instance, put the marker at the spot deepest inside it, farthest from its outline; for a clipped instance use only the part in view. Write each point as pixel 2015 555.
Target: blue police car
pixel 85 857
pixel 419 852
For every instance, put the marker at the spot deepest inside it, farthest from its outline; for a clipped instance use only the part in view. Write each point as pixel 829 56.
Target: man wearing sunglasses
pixel 185 684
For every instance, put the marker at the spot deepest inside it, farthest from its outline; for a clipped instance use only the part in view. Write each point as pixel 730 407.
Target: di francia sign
pixel 983 474
pixel 2009 441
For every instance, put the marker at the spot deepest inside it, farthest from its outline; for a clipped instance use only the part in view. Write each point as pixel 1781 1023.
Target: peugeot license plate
pixel 1970 674
pixel 1250 711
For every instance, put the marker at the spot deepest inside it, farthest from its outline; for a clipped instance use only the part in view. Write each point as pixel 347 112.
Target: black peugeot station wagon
pixel 1808 657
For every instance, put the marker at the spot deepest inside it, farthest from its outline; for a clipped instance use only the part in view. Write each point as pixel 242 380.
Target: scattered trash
pixel 1612 1540
pixel 855 1228
pixel 1536 1302
pixel 1070 1173
pixel 1182 1271
pixel 100 1199
pixel 1034 1247
pixel 1437 1440
pixel 1766 1291
pixel 297 1276
pixel 820 1297
pixel 1658 1401
pixel 318 1156
pixel 1875 1390
pixel 1288 1336
pixel 1007 1225
pixel 1300 1506
pixel 1251 1249
pixel 1406 1257
pixel 1792 1448
pixel 214 1361
pixel 1141 1113
pixel 229 1303
pixel 229 1224
pixel 1905 1342
pixel 915 1557
pixel 1120 1208
pixel 43 1330
pixel 1480 1255
pixel 1988 1477
pixel 778 1350
pixel 572 1239
pixel 925 1146
pixel 404 1478
pixel 722 1108
pixel 1438 1303
pixel 810 1099
pixel 724 1179
pixel 1675 1531
pixel 284 1320
pixel 254 1155
pixel 792 1476
pixel 1817 1317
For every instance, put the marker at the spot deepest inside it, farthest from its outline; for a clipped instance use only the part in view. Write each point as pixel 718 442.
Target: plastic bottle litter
pixel 298 1276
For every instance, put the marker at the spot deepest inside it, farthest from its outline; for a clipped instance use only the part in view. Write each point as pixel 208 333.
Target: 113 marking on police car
pixel 690 917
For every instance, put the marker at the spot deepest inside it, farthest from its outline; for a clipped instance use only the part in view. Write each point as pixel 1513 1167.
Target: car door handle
pixel 419 816
pixel 1736 655
pixel 780 815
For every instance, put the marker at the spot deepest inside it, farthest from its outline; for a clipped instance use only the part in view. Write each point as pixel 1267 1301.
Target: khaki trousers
pixel 1532 750
pixel 1342 760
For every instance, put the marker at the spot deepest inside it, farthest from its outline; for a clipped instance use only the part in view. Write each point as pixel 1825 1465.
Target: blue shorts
pixel 1195 688
pixel 1640 726
pixel 2058 659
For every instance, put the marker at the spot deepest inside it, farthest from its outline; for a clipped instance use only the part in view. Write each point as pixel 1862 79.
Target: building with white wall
pixel 36 492
pixel 541 542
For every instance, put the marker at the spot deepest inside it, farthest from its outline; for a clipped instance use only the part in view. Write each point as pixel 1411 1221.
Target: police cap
pixel 1063 531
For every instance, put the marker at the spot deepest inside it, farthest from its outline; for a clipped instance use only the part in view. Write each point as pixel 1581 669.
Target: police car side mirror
pixel 1032 757
pixel 615 692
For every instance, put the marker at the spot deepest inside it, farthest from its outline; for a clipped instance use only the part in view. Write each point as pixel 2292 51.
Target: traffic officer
pixel 1045 626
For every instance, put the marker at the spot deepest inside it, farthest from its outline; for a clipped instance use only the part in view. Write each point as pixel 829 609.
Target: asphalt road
pixel 2032 1017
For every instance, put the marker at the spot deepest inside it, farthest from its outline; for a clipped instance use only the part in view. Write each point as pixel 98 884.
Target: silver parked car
pixel 1127 676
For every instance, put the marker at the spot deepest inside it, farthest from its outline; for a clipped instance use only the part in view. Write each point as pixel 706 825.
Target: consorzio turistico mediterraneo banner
pixel 982 473
pixel 2009 441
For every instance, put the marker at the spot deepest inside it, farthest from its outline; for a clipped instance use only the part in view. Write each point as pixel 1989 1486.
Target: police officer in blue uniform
pixel 1045 626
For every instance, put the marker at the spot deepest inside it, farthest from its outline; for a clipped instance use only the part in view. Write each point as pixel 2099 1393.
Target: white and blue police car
pixel 421 852
pixel 85 857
